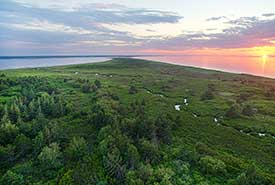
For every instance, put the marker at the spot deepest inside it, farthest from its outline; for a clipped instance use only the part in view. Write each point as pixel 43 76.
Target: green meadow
pixel 130 121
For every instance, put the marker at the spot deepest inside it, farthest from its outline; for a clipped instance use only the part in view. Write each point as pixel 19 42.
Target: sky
pixel 178 27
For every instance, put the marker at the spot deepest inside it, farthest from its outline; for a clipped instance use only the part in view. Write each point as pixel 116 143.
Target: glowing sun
pixel 265 56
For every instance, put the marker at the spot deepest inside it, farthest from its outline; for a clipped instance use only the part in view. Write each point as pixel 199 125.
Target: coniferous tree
pixel 38 143
pixel 23 146
pixel 149 151
pixel 163 129
pixel 14 112
pixel 67 178
pixel 5 117
pixel 97 83
pixel 32 110
pixel 77 149
pixel 11 178
pixel 50 156
pixel 8 132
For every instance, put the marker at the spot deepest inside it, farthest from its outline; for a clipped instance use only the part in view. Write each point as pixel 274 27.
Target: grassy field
pixel 238 141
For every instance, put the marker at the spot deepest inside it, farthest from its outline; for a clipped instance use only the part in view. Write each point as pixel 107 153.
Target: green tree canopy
pixel 50 156
pixel 77 148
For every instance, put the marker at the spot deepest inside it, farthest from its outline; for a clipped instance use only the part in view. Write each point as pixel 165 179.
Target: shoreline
pixel 106 59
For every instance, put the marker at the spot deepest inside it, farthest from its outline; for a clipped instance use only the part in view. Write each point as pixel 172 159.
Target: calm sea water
pixel 250 65
pixel 260 66
pixel 18 63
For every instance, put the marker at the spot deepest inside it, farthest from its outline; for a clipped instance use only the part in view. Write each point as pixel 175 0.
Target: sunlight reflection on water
pixel 260 66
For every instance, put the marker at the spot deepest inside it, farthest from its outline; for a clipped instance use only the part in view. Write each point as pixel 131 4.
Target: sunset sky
pixel 215 27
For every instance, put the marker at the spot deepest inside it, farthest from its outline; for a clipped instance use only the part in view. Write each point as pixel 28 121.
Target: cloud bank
pixel 98 28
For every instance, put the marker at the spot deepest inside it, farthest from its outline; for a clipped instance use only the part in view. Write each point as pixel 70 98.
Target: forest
pixel 135 122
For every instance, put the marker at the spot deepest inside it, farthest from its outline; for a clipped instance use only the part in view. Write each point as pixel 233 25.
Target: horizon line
pixel 7 57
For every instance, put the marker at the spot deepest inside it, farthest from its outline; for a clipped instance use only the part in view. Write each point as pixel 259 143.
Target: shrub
pixel 86 88
pixel 97 84
pixel 132 90
pixel 234 111
pixel 248 110
pixel 210 165
pixel 209 93
pixel 202 149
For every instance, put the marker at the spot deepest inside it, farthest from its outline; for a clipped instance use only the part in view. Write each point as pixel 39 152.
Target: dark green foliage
pixel 248 110
pixel 23 146
pixel 87 88
pixel 14 113
pixel 114 96
pixel 163 129
pixel 77 149
pixel 202 149
pixel 118 154
pixel 7 156
pixel 143 175
pixel 132 156
pixel 210 165
pixel 89 171
pixel 67 178
pixel 50 157
pixel 133 90
pixel 28 93
pixel 97 84
pixel 2 75
pixel 209 94
pixel 149 151
pixel 11 178
pixel 3 86
pixel 251 177
pixel 234 111
pixel 38 143
pixel 8 132
pixel 99 117
pixel 59 128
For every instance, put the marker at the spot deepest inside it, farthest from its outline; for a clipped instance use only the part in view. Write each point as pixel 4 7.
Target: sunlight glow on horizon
pixel 259 51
